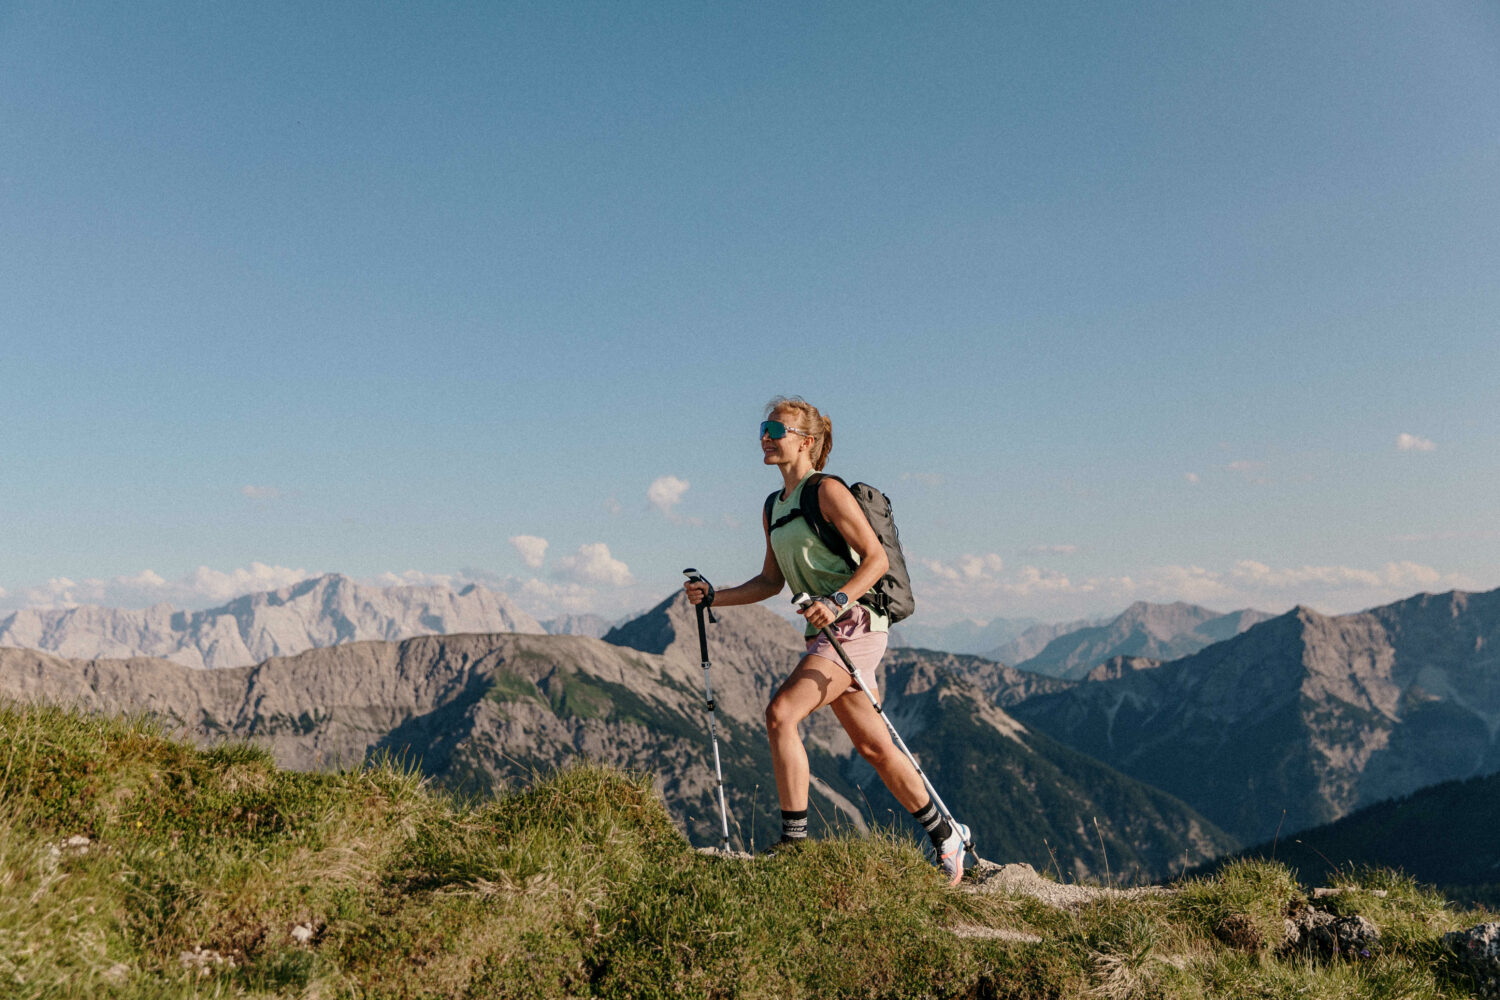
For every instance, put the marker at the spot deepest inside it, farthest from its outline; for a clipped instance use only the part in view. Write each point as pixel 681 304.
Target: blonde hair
pixel 819 427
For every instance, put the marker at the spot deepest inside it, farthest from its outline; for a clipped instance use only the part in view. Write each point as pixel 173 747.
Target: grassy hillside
pixel 132 866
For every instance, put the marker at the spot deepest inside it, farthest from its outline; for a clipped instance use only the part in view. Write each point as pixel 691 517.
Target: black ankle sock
pixel 793 824
pixel 932 821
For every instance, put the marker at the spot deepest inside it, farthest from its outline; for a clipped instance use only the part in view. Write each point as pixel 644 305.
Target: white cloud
pixel 1031 580
pixel 959 588
pixel 594 564
pixel 265 494
pixel 613 507
pixel 966 568
pixel 548 600
pixel 665 493
pixel 213 585
pixel 980 567
pixel 1410 442
pixel 417 578
pixel 533 550
pixel 1191 477
pixel 202 588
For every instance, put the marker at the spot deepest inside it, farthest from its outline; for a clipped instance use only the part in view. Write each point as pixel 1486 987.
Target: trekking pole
pixel 708 696
pixel 803 601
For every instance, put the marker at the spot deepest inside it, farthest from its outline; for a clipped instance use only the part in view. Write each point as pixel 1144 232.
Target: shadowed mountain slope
pixel 1443 835
pixel 1002 685
pixel 1306 713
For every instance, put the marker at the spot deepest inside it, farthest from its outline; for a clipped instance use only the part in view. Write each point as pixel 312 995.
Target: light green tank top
pixel 806 562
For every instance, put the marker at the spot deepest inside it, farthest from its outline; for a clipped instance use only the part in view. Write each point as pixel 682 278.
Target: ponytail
pixel 824 444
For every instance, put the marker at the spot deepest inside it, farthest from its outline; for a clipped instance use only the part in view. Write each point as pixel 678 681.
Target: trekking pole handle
pixel 696 577
pixel 804 600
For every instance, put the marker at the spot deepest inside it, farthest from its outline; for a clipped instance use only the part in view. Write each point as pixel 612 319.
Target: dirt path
pixel 1022 878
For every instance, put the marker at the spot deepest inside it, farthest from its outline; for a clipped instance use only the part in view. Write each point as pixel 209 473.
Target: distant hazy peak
pixel 1144 629
pixel 319 611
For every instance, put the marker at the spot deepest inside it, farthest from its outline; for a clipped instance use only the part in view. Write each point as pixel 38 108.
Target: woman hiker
pixel 796 438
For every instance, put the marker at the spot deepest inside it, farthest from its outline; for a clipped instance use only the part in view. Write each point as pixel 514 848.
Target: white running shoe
pixel 951 854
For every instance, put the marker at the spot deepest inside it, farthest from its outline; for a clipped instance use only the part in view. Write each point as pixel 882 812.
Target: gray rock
pixel 1320 934
pixel 1478 949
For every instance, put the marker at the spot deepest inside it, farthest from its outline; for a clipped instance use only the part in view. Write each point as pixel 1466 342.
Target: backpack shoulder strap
pixel 784 519
pixel 812 513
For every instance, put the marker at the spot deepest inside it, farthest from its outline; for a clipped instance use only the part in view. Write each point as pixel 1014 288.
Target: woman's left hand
pixel 819 614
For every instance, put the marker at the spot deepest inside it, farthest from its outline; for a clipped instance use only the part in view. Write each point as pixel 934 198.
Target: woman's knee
pixel 781 716
pixel 875 752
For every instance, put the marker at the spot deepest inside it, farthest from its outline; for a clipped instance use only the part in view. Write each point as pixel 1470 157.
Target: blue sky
pixel 1116 301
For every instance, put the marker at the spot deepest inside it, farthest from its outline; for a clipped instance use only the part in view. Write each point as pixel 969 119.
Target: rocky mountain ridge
pixel 321 611
pixel 1301 719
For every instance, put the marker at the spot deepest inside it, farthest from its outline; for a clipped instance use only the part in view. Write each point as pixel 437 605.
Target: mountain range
pixel 1035 638
pixel 1152 631
pixel 1303 718
pixel 322 611
pixel 489 711
pixel 331 609
pixel 1279 727
pixel 970 637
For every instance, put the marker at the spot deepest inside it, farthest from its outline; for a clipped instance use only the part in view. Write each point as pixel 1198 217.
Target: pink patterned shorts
pixel 863 647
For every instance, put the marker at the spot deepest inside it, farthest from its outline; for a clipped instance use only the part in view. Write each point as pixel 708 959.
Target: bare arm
pixel 762 586
pixel 841 510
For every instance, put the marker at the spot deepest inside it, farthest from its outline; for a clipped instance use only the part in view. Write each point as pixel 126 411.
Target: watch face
pixel 841 598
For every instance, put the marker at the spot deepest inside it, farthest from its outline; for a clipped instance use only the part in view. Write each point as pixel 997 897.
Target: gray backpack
pixel 891 596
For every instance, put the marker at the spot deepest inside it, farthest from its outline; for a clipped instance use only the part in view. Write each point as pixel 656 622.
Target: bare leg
pixel 873 741
pixel 816 682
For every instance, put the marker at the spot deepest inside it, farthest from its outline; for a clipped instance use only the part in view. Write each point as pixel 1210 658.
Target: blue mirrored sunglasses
pixel 776 430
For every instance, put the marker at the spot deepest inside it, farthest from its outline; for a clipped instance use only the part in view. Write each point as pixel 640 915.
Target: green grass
pixel 576 887
pixel 508 687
